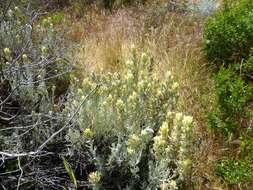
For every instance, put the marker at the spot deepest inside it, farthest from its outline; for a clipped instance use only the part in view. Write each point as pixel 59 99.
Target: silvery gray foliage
pixel 131 132
pixel 32 62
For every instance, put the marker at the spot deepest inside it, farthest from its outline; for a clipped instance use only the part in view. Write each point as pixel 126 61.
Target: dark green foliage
pixel 217 124
pixel 246 68
pixel 246 148
pixel 238 170
pixel 232 92
pixel 235 172
pixel 228 38
pixel 228 35
pixel 232 95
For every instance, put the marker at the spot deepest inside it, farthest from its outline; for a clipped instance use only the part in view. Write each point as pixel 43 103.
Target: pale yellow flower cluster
pixel 7 51
pixel 134 144
pixel 161 145
pixel 107 102
pixel 172 143
pixel 7 54
pixel 132 101
pixel 130 65
pixel 137 142
pixel 88 133
pixel 24 57
pixel 120 106
pixel 88 85
pixel 18 38
pixel 144 59
pixel 129 77
pixel 184 162
pixel 44 51
pixel 94 178
pixel 170 185
pixel 47 22
pixel 15 12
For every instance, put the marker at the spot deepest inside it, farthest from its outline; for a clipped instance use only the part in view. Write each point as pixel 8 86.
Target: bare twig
pixel 14 155
pixel 72 117
pixel 21 173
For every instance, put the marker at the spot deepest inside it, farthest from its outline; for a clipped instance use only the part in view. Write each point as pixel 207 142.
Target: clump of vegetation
pixel 228 34
pixel 235 172
pixel 129 129
pixel 228 39
pixel 232 95
pixel 231 117
pixel 246 67
pixel 117 124
pixel 33 81
pixel 238 170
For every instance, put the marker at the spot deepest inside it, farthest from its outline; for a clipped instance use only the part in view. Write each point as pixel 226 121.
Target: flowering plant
pixel 129 128
pixel 33 67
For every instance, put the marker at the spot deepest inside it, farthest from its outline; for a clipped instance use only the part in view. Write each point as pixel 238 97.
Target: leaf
pixel 70 172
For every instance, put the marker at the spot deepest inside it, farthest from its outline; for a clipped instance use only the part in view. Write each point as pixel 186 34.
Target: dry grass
pixel 104 38
pixel 178 48
pixel 174 41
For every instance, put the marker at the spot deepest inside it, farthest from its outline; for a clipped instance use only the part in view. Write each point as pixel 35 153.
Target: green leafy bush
pixel 129 130
pixel 239 170
pixel 246 147
pixel 235 172
pixel 232 95
pixel 246 67
pixel 228 35
pixel 232 92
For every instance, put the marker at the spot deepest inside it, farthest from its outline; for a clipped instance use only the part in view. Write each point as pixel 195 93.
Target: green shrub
pixel 228 35
pixel 246 147
pixel 232 92
pixel 129 129
pixel 232 95
pixel 235 172
pixel 246 68
pixel 240 169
